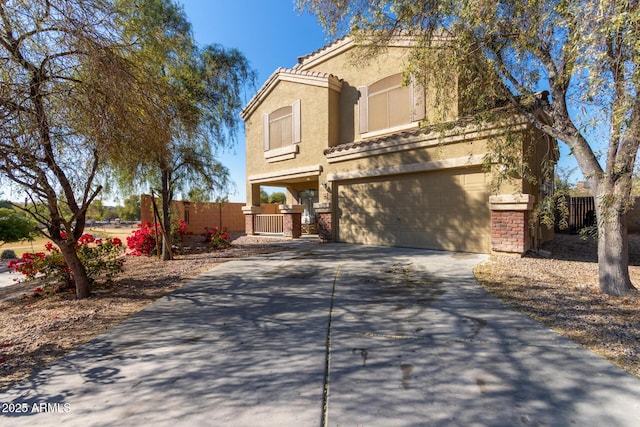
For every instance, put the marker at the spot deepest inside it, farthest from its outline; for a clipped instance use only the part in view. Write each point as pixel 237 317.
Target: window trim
pixel 296 132
pixel 394 129
pixel 283 153
pixel 416 102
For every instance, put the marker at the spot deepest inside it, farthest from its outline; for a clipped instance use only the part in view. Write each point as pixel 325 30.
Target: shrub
pixel 179 230
pixel 217 238
pixel 143 240
pixel 8 254
pixel 99 257
pixel 179 234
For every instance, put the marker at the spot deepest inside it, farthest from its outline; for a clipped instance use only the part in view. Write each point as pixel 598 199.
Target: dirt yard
pixel 560 291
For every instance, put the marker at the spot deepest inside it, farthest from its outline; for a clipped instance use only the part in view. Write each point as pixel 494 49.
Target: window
pixel 282 127
pixel 388 103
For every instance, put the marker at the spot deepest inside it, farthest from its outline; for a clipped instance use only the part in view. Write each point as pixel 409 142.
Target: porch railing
pixel 268 224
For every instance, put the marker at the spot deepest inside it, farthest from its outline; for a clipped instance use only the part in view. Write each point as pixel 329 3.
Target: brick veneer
pixel 248 224
pixel 325 231
pixel 292 220
pixel 292 225
pixel 249 218
pixel 323 214
pixel 510 231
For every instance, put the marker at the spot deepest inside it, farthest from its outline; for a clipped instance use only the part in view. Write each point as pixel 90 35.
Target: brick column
pixel 249 215
pixel 323 212
pixel 510 223
pixel 292 221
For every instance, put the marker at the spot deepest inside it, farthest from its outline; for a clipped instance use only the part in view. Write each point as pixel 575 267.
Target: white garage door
pixel 446 210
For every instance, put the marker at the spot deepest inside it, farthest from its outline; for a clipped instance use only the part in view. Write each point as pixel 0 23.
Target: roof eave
pixel 296 76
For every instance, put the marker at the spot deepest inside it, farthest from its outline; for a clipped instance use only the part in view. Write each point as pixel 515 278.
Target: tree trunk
pixel 167 253
pixel 613 250
pixel 166 237
pixel 79 273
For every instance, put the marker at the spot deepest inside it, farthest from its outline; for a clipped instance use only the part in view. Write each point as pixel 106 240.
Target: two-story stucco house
pixel 346 141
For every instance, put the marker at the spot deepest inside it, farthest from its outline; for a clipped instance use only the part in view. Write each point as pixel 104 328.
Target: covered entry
pixel 446 210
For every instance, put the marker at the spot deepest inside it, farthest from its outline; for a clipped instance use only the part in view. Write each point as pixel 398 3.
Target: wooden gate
pixel 582 213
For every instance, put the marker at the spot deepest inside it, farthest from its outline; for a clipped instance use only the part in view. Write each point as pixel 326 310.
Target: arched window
pixel 388 103
pixel 282 127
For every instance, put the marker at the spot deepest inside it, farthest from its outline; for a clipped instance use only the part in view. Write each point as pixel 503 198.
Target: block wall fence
pixel 198 215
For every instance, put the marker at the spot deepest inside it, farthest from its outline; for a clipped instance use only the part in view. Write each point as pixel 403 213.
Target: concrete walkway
pixel 413 341
pixel 8 278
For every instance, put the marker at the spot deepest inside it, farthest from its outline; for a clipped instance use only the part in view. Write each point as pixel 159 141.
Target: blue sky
pixel 270 33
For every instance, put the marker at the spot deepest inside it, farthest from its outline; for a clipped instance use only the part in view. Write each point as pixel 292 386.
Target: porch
pixel 273 224
pixel 300 214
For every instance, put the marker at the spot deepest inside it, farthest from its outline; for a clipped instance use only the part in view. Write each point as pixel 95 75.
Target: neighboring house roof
pixel 314 78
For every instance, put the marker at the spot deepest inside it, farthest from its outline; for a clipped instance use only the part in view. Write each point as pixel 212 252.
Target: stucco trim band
pixel 251 210
pixel 322 207
pixel 410 168
pixel 283 153
pixel 291 209
pixel 286 174
pixel 511 202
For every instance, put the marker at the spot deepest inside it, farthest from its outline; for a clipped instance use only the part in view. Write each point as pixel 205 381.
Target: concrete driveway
pixel 336 335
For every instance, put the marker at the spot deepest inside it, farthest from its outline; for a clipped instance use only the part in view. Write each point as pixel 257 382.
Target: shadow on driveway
pixel 413 341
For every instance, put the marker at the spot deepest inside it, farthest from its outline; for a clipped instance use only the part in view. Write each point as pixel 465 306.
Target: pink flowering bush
pixel 143 240
pixel 179 230
pixel 217 238
pixel 99 257
pixel 179 234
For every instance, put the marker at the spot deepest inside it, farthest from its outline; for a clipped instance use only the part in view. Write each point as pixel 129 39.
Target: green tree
pixel 198 195
pixel 69 99
pixel 278 197
pixel 222 199
pixel 130 211
pixel 201 95
pixel 264 196
pixel 96 210
pixel 584 53
pixel 15 227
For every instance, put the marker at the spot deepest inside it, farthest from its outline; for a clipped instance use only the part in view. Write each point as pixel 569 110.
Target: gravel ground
pixel 562 293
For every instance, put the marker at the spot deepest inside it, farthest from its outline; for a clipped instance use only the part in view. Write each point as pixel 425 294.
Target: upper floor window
pixel 388 103
pixel 282 127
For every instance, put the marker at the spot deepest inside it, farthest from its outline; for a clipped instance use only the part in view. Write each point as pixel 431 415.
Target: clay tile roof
pixel 371 142
pixel 302 59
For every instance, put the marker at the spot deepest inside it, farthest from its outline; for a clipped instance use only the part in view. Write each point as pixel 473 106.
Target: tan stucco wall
pixel 317 121
pixel 329 118
pixel 356 71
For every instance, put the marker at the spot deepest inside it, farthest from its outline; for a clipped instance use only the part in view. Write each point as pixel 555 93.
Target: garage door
pixel 446 210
